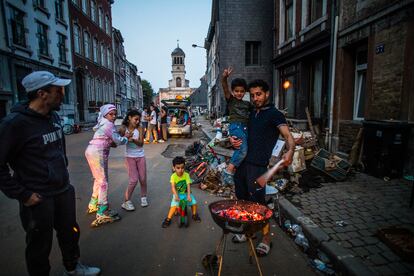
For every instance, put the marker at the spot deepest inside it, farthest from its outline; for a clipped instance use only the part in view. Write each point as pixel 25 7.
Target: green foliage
pixel 147 92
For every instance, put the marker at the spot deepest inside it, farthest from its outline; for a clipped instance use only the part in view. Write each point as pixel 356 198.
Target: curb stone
pixel 342 258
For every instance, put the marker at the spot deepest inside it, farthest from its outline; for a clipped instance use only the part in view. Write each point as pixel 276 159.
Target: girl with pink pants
pixel 134 159
pixel 97 154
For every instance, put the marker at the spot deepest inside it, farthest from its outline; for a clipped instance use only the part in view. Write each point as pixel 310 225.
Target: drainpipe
pixel 333 69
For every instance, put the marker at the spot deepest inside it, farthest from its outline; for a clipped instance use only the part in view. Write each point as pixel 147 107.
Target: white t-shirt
pixel 132 149
pixel 143 116
pixel 154 117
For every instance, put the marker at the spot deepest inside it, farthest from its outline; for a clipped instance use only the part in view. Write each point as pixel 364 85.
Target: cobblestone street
pixel 365 204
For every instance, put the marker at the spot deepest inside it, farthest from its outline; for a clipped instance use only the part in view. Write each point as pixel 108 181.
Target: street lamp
pixel 196 46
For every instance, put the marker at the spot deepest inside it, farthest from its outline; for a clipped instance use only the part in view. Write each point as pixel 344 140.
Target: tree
pixel 147 91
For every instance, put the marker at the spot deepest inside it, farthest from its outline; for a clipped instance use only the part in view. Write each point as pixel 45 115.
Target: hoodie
pixel 105 134
pixel 33 146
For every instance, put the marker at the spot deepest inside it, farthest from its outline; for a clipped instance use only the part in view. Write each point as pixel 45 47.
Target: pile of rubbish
pixel 205 168
pixel 311 166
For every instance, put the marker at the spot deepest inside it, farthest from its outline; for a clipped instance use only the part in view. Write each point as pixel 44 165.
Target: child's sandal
pixel 196 218
pixel 166 223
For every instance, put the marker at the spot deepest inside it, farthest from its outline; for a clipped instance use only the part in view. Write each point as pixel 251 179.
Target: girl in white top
pixel 134 159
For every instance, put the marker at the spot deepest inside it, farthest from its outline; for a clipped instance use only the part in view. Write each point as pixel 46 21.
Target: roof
pixel 178 52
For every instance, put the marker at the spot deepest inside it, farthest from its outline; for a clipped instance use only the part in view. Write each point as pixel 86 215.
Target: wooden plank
pixel 222 151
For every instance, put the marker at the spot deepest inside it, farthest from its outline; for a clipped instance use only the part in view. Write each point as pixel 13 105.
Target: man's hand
pixel 235 142
pixel 176 198
pixel 189 198
pixel 33 200
pixel 288 157
pixel 113 145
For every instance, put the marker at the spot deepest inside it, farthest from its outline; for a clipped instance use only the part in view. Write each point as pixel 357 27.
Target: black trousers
pixel 56 212
pixel 244 179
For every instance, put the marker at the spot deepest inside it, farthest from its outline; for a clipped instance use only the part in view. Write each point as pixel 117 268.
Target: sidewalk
pixel 364 204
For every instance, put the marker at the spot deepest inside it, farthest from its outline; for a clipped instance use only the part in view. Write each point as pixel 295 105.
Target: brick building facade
pixel 91 27
pixel 374 73
pixel 301 59
pixel 34 35
pixel 239 35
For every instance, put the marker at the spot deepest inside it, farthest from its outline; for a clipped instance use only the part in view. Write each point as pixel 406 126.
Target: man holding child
pixel 265 124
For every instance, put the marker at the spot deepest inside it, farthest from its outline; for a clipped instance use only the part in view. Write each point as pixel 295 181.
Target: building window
pixel 59 4
pixel 360 84
pixel 100 18
pixel 252 55
pixel 42 38
pixel 290 100
pixel 62 48
pixel 178 82
pixel 95 50
pixel 87 44
pixel 111 92
pixel 107 25
pixel 18 30
pixel 316 88
pixel 103 54
pixel 66 98
pixel 85 6
pixel 92 89
pixel 39 3
pixel 315 10
pixel 93 11
pixel 109 55
pixel 76 39
pixel 98 90
pixel 288 19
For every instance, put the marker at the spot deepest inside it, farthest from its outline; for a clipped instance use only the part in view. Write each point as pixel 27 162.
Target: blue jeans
pixel 240 131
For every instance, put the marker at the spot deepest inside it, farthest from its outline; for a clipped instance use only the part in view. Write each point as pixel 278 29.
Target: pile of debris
pixel 310 159
pixel 210 179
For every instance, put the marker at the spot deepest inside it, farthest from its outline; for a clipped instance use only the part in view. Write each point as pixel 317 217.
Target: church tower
pixel 178 86
pixel 178 69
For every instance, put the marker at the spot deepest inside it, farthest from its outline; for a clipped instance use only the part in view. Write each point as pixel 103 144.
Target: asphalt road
pixel 137 245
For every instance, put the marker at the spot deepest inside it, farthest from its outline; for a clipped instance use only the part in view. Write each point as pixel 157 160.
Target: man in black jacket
pixel 33 146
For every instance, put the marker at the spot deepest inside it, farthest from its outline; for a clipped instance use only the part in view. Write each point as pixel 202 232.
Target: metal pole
pixel 331 105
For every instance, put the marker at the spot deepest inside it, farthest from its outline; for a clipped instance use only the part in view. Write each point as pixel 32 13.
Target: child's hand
pixel 227 72
pixel 121 131
pixel 128 135
pixel 189 198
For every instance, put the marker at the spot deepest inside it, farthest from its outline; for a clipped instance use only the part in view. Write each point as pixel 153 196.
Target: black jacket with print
pixel 33 146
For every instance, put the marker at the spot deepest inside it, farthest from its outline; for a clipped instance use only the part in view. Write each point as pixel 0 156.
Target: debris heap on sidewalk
pixel 311 166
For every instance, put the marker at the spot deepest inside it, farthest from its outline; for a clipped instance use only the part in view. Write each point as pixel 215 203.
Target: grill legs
pixel 252 250
pixel 221 248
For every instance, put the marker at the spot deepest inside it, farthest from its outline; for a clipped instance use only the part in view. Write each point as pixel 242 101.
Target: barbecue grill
pixel 237 217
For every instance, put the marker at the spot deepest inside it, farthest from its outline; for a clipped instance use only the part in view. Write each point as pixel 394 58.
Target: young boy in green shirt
pixel 180 187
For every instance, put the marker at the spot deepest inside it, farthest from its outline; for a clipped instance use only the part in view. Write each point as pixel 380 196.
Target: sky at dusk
pixel 150 30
